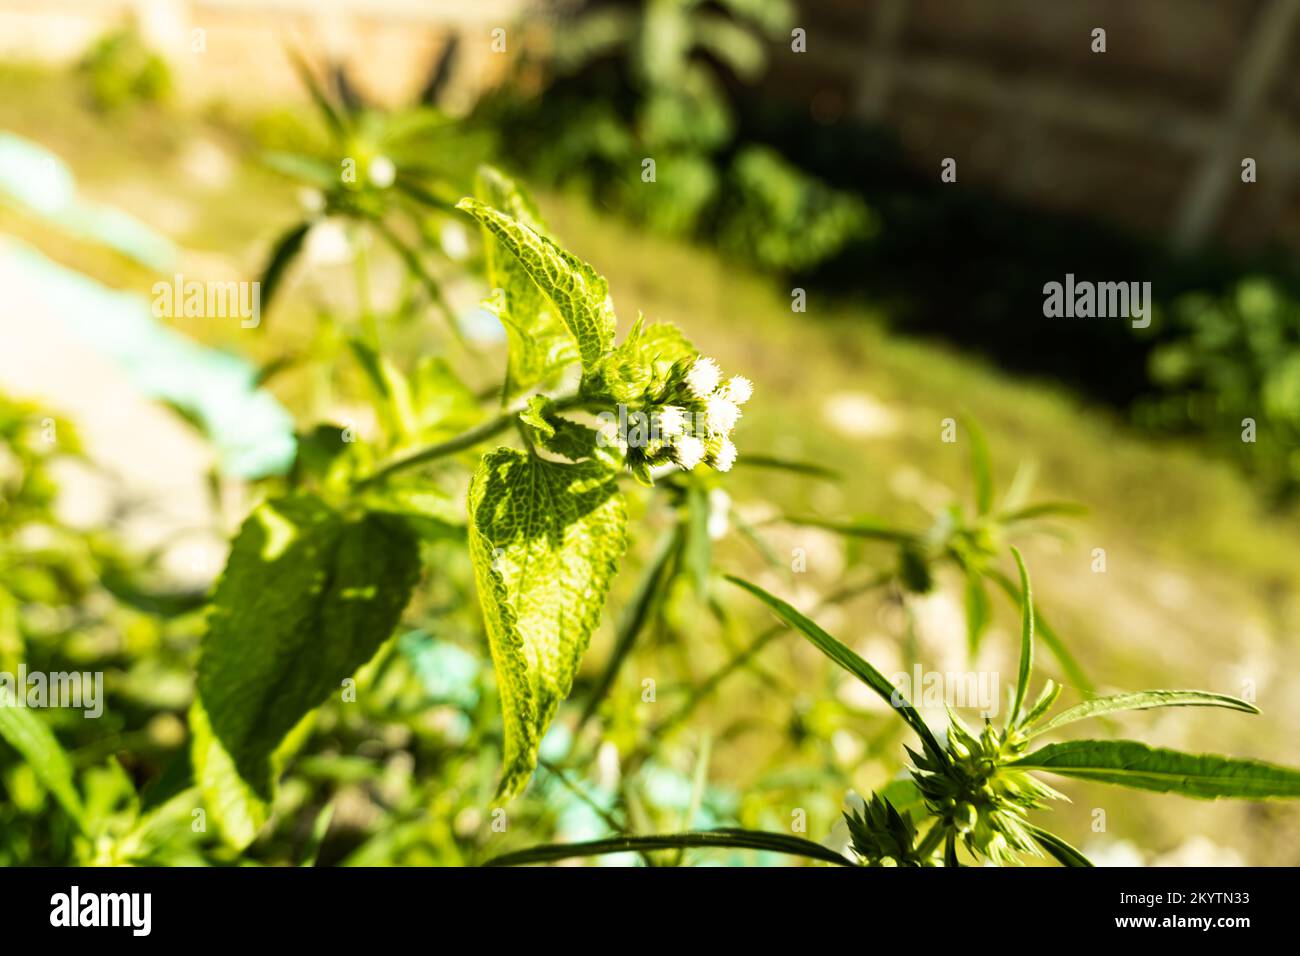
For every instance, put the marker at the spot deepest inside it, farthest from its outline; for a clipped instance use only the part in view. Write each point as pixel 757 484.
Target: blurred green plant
pixel 970 540
pixel 122 71
pixel 1229 368
pixel 396 175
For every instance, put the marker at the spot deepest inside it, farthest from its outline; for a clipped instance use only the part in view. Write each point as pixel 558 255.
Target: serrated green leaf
pixel 850 661
pixel 539 343
pixel 643 366
pixel 578 293
pixel 307 597
pixel 545 540
pixel 1144 700
pixel 1132 764
pixel 35 742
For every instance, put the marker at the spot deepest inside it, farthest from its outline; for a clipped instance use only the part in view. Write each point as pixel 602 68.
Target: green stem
pixel 361 272
pixel 476 435
pixel 932 840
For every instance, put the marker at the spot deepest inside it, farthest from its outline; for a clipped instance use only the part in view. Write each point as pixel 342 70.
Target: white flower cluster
pixel 701 432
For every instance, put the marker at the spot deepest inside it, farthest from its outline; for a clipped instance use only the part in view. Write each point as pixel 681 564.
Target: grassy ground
pixel 1201 581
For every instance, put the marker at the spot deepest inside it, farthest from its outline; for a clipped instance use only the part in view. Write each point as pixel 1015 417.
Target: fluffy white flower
pixel 739 389
pixel 327 243
pixel 726 456
pixel 689 452
pixel 703 377
pixel 721 415
pixel 382 172
pixel 672 421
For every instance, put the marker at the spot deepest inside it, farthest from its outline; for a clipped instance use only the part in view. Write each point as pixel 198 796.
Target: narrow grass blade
pixel 725 838
pixel 1144 700
pixel 850 661
pixel 1026 640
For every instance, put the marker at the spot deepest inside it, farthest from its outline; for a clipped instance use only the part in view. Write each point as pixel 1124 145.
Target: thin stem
pixel 361 272
pixel 477 434
pixel 932 839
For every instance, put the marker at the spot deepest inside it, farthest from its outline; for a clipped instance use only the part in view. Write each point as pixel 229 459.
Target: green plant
pixel 976 790
pixel 395 175
pixel 970 540
pixel 780 218
pixel 1229 367
pixel 122 71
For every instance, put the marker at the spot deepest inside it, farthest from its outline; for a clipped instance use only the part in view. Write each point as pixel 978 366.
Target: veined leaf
pixel 720 838
pixel 545 539
pixel 1061 851
pixel 850 661
pixel 539 342
pixel 1144 700
pixel 1132 764
pixel 306 598
pixel 36 743
pixel 578 293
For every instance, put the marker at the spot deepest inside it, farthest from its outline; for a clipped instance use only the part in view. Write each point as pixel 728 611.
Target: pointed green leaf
pixel 306 598
pixel 333 119
pixel 578 293
pixel 1144 700
pixel 23 730
pixel 1026 639
pixel 1132 764
pixel 282 254
pixel 1061 851
pixel 721 839
pixel 545 540
pixel 850 661
pixel 864 527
